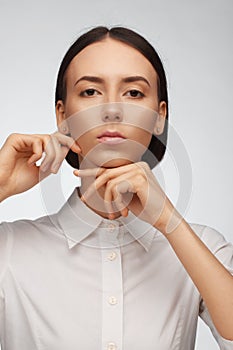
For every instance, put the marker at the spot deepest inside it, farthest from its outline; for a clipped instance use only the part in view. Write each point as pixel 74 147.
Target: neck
pixel 96 201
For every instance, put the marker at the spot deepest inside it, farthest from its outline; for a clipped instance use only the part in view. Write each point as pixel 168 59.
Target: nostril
pixel 112 113
pixel 112 117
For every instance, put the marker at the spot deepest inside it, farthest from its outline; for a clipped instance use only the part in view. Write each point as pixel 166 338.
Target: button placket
pixel 112 256
pixel 111 346
pixel 112 326
pixel 112 300
pixel 111 227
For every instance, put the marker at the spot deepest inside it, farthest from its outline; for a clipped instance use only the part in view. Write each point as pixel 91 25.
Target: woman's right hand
pixel 18 157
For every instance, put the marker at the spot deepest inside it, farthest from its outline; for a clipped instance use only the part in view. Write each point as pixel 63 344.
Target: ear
pixel 161 119
pixel 61 118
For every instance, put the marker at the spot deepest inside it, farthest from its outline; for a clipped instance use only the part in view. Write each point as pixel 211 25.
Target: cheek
pixel 141 136
pixel 133 117
pixel 82 124
pixel 86 142
pixel 71 105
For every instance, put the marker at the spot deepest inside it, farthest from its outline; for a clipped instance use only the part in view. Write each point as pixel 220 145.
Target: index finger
pixel 95 172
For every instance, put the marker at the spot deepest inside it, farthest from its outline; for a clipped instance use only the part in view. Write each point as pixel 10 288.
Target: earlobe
pixel 161 119
pixel 61 118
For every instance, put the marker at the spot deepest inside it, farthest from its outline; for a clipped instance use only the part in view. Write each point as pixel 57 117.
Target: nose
pixel 112 113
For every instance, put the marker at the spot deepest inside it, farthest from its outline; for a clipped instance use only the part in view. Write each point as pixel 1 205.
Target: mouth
pixel 111 137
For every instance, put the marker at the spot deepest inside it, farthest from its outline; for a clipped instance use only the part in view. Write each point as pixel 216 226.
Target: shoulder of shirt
pixel 202 230
pixel 210 236
pixel 48 221
pixel 12 234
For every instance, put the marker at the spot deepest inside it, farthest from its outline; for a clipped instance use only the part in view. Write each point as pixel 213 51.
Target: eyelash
pixel 83 93
pixel 138 92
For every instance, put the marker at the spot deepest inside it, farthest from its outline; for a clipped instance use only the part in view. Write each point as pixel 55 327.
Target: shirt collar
pixel 77 222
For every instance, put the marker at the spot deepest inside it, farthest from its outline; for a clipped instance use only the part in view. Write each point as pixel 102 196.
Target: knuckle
pixel 37 141
pixel 110 184
pixel 13 136
pixel 47 137
pixel 144 165
pixel 107 172
pixel 140 179
pixel 48 141
pixel 106 175
pixel 55 134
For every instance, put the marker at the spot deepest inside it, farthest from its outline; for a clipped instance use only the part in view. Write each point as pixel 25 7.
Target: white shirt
pixel 76 281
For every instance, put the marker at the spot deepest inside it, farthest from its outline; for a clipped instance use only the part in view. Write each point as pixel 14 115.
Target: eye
pixel 89 92
pixel 135 93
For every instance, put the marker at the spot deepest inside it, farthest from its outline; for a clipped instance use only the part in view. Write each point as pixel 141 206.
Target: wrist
pixel 169 221
pixel 3 195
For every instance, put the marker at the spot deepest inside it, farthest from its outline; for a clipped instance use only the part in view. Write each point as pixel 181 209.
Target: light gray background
pixel 194 39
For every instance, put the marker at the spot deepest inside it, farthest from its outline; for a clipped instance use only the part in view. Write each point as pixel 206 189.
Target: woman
pixel 117 267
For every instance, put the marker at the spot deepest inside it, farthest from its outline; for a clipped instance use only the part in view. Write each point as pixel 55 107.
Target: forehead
pixel 110 58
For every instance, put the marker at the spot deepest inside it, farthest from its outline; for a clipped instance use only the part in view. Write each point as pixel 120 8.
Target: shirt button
pixel 112 300
pixel 112 256
pixel 112 346
pixel 111 227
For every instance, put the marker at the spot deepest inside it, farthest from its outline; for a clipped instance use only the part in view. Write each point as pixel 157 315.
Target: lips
pixel 111 137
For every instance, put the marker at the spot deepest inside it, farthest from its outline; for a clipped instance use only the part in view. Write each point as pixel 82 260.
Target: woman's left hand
pixel 132 187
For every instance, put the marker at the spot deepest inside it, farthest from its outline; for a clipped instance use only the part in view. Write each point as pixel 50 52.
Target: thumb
pixel 75 148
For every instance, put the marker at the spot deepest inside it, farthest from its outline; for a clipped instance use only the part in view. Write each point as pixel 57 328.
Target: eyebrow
pixel 90 78
pixel 136 78
pixel 130 79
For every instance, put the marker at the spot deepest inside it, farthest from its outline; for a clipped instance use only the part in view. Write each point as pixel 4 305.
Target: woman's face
pixel 112 75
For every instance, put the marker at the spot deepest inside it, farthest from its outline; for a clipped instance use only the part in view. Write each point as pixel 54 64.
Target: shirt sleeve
pixel 5 249
pixel 223 251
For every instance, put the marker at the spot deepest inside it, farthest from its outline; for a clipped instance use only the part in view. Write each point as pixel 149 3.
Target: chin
pixel 115 163
pixel 103 157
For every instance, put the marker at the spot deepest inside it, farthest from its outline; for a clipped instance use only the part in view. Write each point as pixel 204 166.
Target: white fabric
pixel 76 281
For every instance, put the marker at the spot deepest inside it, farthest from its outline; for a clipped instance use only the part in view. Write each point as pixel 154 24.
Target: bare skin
pixel 124 186
pixel 18 157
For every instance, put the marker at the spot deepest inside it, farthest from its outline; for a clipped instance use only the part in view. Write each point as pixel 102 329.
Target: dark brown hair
pixel 157 146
